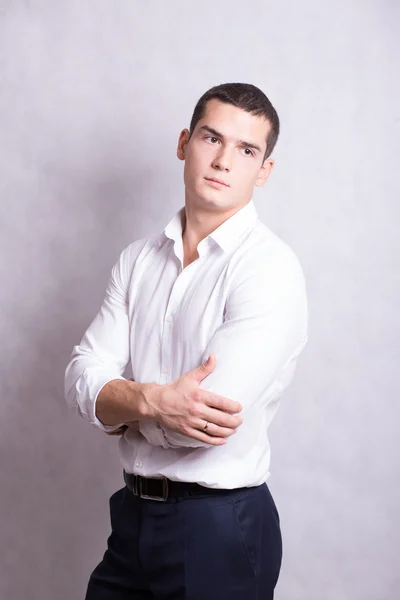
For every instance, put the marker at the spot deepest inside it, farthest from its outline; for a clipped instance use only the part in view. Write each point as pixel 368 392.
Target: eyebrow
pixel 220 135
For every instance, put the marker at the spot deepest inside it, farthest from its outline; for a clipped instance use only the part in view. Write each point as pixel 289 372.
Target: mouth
pixel 216 182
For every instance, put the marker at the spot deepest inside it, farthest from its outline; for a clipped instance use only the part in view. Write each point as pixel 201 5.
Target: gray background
pixel 93 96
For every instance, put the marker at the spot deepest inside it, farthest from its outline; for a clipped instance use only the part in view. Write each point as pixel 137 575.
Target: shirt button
pixel 165 369
pixel 168 319
pixel 139 464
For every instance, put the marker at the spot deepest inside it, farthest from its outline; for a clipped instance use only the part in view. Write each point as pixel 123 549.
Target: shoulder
pixel 130 255
pixel 267 259
pixel 267 279
pixel 136 248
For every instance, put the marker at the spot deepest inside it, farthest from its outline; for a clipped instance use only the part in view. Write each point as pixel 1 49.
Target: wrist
pixel 147 404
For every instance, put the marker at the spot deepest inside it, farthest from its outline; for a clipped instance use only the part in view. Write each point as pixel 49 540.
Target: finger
pixel 218 417
pixel 221 402
pixel 203 437
pixel 134 425
pixel 214 430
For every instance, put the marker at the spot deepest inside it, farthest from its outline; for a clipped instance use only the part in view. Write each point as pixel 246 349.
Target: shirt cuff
pixel 93 419
pixel 153 432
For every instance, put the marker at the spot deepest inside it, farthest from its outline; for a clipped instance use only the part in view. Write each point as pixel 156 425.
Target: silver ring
pixel 205 427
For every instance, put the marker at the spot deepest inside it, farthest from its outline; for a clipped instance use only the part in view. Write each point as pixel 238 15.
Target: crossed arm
pixel 121 430
pixel 264 331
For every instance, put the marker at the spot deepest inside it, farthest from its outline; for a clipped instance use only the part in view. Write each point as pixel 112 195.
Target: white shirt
pixel 244 299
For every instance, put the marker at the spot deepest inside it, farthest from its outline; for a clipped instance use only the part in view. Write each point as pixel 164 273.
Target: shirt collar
pixel 225 235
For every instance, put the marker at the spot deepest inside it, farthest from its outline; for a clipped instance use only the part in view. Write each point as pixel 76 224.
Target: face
pixel 227 144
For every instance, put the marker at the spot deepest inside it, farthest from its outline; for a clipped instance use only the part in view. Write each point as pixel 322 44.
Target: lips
pixel 216 181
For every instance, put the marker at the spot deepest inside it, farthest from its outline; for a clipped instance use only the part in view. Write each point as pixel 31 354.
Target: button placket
pixel 177 293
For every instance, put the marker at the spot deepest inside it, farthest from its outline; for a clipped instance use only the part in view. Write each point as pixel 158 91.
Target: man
pixel 195 519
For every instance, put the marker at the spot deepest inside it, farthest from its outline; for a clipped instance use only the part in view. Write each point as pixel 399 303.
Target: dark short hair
pixel 245 96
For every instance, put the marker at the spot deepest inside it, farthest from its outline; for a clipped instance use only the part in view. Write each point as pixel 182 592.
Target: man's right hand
pixel 184 407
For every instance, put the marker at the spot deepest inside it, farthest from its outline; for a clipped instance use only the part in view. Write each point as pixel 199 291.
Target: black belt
pixel 161 488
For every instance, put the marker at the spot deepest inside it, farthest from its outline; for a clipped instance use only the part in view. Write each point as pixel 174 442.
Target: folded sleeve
pixel 264 330
pixel 153 432
pixel 103 353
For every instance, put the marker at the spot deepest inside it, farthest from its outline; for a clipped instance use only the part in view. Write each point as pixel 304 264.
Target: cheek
pixel 193 169
pixel 251 171
pixel 200 163
pixel 246 177
pixel 203 154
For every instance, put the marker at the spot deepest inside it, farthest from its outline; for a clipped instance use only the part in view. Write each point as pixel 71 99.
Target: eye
pixel 251 152
pixel 211 137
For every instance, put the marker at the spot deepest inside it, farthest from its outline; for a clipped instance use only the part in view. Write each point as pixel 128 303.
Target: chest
pixel 170 306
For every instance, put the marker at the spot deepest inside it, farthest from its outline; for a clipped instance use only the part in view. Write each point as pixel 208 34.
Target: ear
pixel 265 172
pixel 182 143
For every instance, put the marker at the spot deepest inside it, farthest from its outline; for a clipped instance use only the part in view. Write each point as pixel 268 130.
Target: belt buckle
pixel 135 486
pixel 158 498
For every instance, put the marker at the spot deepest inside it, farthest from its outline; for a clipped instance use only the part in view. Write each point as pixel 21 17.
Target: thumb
pixel 205 369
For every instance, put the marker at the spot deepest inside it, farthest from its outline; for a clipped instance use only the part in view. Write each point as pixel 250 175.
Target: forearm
pixel 122 401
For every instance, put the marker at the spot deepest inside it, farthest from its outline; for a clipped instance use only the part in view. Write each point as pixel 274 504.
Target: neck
pixel 197 224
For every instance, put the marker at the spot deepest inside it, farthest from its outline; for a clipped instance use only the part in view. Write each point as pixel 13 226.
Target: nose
pixel 223 160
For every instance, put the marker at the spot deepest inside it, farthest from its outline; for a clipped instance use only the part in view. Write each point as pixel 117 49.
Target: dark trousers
pixel 211 547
